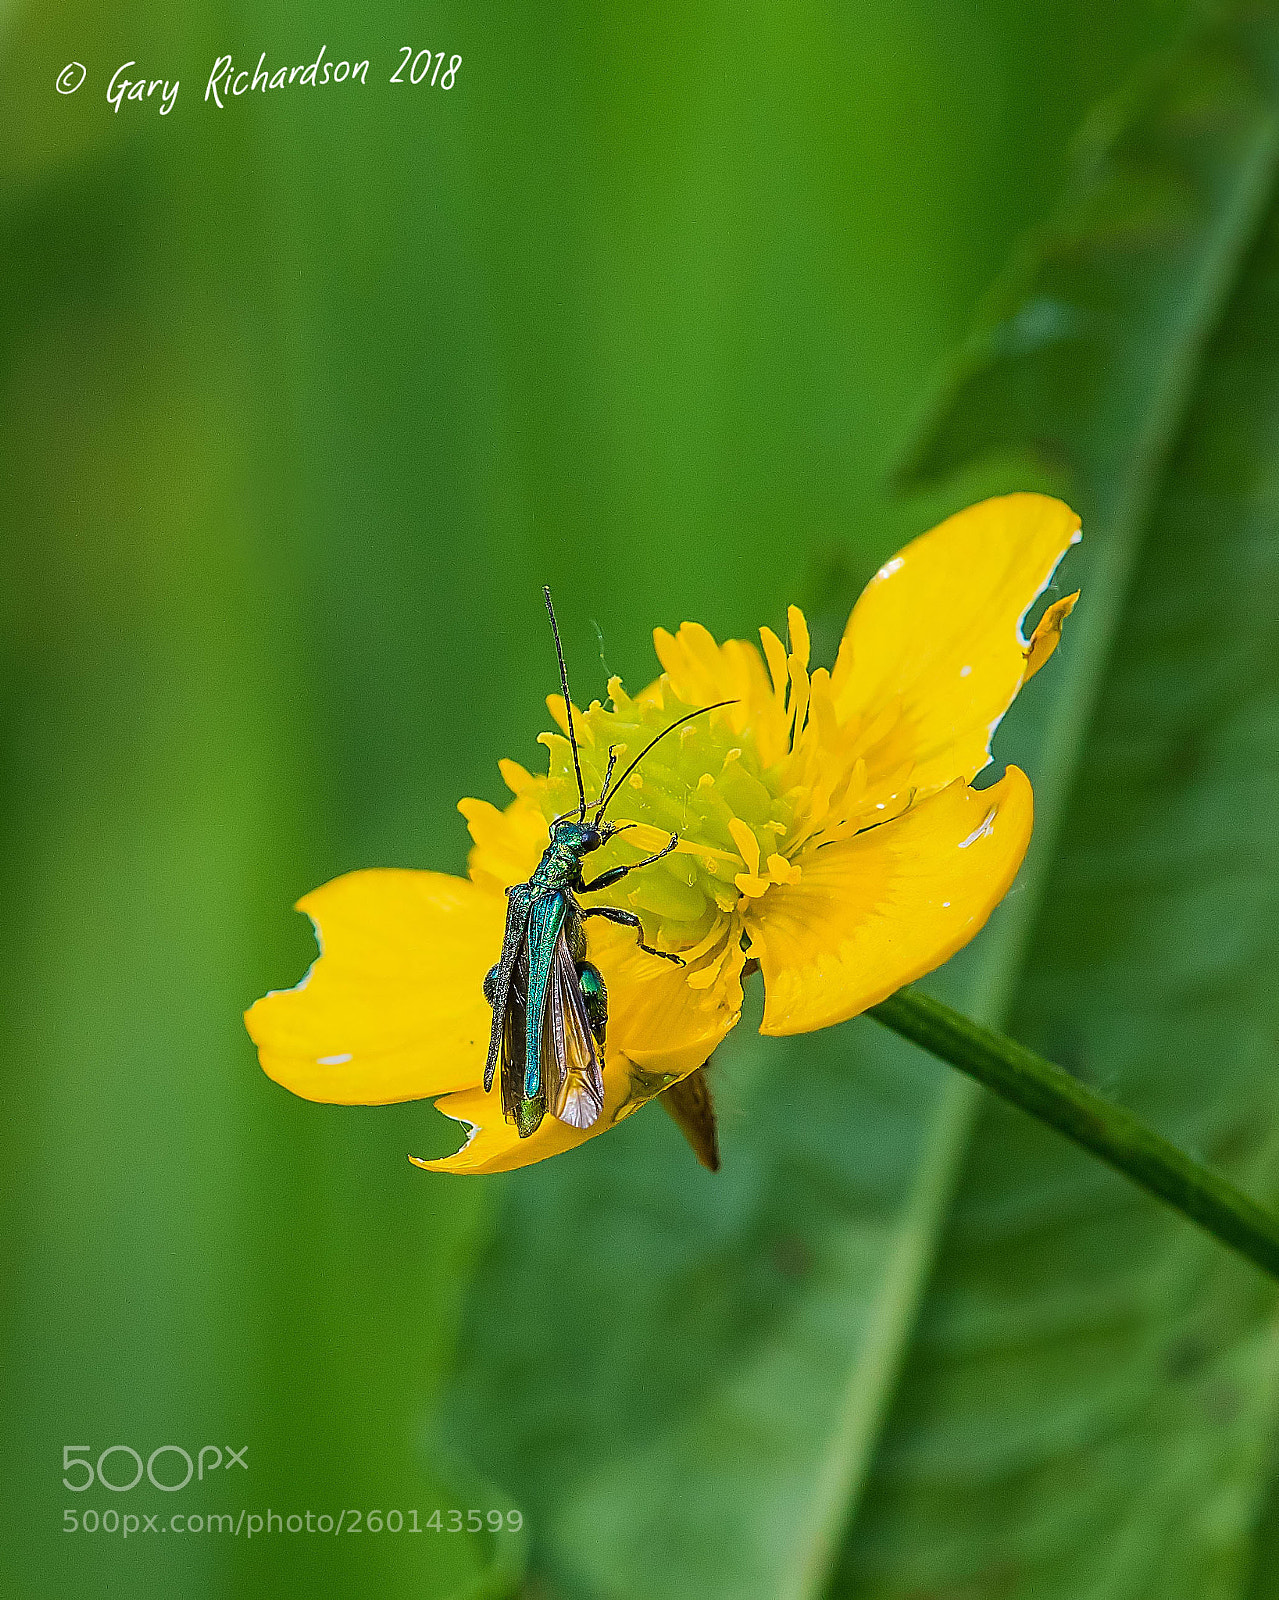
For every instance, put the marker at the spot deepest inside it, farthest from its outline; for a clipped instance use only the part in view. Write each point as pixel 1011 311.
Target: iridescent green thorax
pixel 561 863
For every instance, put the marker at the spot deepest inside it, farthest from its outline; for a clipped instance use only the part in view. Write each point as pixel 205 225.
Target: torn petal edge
pixel 1047 635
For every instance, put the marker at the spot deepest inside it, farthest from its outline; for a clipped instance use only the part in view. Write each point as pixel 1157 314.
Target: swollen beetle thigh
pixel 595 995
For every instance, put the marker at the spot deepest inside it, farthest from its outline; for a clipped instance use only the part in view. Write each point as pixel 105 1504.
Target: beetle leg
pixel 628 919
pixel 608 776
pixel 606 880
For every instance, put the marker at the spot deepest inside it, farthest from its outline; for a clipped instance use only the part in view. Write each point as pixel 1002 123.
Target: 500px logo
pixel 166 1462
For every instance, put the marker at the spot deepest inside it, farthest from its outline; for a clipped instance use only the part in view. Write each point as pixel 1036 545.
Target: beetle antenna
pixel 679 722
pixel 568 705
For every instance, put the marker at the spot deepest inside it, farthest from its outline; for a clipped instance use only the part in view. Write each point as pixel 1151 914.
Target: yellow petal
pixel 1047 636
pixel 659 1031
pixel 939 627
pixel 393 1008
pixel 879 910
pixel 509 843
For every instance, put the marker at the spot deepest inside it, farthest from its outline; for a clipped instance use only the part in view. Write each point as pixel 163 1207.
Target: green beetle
pixel 550 1004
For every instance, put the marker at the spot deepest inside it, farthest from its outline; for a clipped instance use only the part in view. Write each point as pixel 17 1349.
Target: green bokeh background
pixel 301 401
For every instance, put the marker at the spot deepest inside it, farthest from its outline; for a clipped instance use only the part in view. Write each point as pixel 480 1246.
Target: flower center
pixel 705 783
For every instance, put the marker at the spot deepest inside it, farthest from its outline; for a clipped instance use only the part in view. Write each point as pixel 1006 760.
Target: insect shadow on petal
pixel 550 1004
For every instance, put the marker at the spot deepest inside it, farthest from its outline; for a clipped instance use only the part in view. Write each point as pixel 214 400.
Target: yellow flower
pixel 827 831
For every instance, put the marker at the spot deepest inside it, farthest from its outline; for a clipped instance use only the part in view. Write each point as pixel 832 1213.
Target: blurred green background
pixel 301 401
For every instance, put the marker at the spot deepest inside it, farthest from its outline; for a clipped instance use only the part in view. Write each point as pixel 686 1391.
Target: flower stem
pixel 1108 1131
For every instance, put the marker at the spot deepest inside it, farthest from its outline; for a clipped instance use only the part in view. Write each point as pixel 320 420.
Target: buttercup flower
pixel 827 832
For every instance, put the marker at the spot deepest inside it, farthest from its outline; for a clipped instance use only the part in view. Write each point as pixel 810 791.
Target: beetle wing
pixel 545 930
pixel 571 1065
pixel 514 1024
pixel 518 903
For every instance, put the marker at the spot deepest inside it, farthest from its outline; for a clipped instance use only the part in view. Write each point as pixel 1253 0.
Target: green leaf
pixel 715 1364
pixel 1091 1387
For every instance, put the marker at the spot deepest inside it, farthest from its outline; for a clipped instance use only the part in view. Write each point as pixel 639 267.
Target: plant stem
pixel 1107 1130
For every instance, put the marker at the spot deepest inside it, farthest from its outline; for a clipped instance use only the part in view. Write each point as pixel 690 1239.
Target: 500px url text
pixel 249 1524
